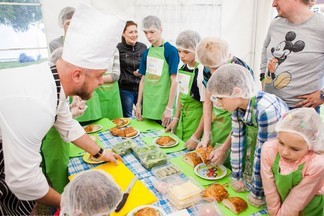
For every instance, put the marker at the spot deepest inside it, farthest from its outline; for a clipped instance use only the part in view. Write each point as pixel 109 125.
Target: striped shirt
pixel 268 110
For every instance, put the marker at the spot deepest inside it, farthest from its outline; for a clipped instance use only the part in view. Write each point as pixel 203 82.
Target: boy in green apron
pixel 159 66
pixel 292 165
pixel 188 121
pixel 254 116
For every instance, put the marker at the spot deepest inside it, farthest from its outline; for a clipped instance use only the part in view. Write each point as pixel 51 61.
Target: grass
pixel 13 64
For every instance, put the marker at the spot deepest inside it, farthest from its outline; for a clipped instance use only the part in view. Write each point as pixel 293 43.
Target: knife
pixel 126 194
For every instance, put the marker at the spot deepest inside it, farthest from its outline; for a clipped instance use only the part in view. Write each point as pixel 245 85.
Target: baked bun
pixel 120 122
pixel 165 141
pixel 117 132
pixel 215 191
pixel 88 128
pixel 130 132
pixel 147 211
pixel 192 159
pixel 204 153
pixel 235 204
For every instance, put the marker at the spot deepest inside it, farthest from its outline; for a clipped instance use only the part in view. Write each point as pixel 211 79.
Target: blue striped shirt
pixel 268 110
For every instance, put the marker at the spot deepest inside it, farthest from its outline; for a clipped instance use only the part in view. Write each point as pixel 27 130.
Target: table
pixel 77 165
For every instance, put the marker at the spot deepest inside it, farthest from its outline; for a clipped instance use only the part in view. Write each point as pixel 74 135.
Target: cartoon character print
pixel 280 54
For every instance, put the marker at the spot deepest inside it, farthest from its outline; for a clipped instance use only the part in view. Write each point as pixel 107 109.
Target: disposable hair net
pixel 232 81
pixel 65 15
pixel 56 54
pixel 213 52
pixel 90 193
pixel 306 123
pixel 151 22
pixel 188 40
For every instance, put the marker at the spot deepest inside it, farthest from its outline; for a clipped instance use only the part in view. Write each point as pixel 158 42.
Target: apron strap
pixel 58 85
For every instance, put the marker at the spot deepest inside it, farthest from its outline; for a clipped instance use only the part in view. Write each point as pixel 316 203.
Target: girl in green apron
pixel 292 165
pixel 159 67
pixel 187 123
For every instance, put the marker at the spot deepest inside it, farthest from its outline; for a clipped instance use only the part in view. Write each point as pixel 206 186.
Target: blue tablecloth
pixel 77 165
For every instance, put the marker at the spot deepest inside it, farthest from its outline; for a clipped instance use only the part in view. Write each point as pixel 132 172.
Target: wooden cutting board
pixel 139 194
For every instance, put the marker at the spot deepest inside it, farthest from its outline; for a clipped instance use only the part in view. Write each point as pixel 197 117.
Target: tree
pixel 20 17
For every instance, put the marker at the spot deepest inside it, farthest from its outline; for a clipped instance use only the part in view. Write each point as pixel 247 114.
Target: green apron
pixel 285 183
pixel 157 83
pixel 93 112
pixel 251 134
pixel 110 101
pixel 191 109
pixel 55 162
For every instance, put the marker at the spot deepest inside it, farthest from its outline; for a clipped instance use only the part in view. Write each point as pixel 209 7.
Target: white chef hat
pixel 91 38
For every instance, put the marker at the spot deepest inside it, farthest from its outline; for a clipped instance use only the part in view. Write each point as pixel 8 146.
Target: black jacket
pixel 130 58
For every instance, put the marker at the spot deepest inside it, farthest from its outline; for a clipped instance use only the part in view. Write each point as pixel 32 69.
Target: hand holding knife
pixel 126 194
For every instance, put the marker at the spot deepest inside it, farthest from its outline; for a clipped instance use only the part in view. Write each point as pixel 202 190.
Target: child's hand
pixel 191 144
pixel 217 156
pixel 238 186
pixel 205 140
pixel 254 201
pixel 138 112
pixel 172 126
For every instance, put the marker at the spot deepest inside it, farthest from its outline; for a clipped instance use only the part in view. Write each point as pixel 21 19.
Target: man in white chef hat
pixel 32 100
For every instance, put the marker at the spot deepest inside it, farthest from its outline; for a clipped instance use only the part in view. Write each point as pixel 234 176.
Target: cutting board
pixel 189 171
pixel 139 195
pixel 146 125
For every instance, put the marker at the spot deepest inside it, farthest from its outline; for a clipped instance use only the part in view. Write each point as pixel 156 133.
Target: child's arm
pixel 268 154
pixel 207 115
pixel 175 120
pixel 167 115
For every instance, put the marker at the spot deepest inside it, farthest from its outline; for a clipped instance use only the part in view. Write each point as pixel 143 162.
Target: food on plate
pixel 147 211
pixel 165 141
pixel 165 171
pixel 215 191
pixel 235 204
pixel 124 147
pixel 192 158
pixel 204 153
pixel 89 128
pixel 120 122
pixel 123 132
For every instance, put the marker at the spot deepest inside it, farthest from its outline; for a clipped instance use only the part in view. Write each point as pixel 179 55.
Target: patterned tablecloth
pixel 77 165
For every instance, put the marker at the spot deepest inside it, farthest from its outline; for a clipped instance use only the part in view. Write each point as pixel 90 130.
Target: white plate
pixel 138 133
pixel 86 158
pixel 202 171
pixel 95 128
pixel 154 142
pixel 131 213
pixel 127 121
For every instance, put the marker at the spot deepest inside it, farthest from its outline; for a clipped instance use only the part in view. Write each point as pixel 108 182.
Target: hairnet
pixel 232 81
pixel 151 22
pixel 306 123
pixel 56 54
pixel 213 52
pixel 188 40
pixel 65 15
pixel 92 192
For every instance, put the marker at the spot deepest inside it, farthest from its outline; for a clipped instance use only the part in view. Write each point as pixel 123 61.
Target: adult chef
pixel 33 99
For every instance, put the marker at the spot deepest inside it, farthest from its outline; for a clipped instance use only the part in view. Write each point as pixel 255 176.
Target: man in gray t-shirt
pixel 292 64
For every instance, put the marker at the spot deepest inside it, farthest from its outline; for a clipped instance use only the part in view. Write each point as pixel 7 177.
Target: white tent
pixel 243 23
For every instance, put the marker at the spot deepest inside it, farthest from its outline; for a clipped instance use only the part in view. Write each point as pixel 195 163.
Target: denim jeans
pixel 128 98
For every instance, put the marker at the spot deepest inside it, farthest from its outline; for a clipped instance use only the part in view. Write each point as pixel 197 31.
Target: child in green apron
pixel 159 66
pixel 254 116
pixel 292 165
pixel 188 121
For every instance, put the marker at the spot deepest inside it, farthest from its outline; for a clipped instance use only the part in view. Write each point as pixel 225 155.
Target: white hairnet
pixel 213 52
pixel 151 22
pixel 232 81
pixel 188 40
pixel 306 123
pixel 56 54
pixel 65 15
pixel 92 192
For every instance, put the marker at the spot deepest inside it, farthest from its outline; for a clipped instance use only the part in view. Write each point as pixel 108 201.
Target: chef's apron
pixel 285 183
pixel 93 112
pixel 221 127
pixel 251 133
pixel 191 110
pixel 110 102
pixel 157 83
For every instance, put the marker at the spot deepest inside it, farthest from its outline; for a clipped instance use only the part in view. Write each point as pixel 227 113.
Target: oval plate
pixel 95 128
pixel 127 121
pixel 131 213
pixel 86 158
pixel 207 171
pixel 154 142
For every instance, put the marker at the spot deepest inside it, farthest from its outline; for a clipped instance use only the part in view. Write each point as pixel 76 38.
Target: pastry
pixel 215 191
pixel 147 211
pixel 235 204
pixel 117 132
pixel 192 158
pixel 130 132
pixel 120 122
pixel 204 153
pixel 88 128
pixel 165 141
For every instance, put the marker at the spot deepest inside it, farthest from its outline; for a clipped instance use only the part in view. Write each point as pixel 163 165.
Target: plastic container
pixel 144 150
pixel 152 159
pixel 124 147
pixel 163 185
pixel 206 207
pixel 164 171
